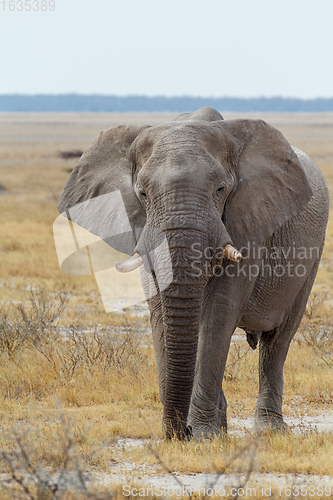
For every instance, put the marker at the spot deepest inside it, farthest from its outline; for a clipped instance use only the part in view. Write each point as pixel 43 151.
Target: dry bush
pixel 34 325
pixel 318 335
pixel 319 304
pixel 13 334
pixel 41 315
pixel 237 360
pixel 40 359
pixel 106 349
pixel 217 456
pixel 316 330
pixel 35 481
pixel 27 475
pixel 30 322
pixel 96 349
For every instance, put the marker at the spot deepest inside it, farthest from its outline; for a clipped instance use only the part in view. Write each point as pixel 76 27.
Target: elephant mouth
pixel 136 261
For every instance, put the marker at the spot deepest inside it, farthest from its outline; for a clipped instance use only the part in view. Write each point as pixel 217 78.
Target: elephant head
pixel 206 186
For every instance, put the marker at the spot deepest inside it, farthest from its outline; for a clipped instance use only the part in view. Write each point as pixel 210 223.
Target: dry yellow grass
pixel 102 401
pixel 103 405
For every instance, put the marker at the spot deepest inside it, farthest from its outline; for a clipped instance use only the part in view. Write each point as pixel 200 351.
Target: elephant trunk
pixel 181 307
pixel 181 317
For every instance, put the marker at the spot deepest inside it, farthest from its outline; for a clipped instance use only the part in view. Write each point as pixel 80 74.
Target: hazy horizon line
pixel 152 96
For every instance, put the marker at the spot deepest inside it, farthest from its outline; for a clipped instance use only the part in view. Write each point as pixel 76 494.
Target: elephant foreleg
pixel 208 409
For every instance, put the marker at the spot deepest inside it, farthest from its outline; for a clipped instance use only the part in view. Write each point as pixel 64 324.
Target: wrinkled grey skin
pixel 207 182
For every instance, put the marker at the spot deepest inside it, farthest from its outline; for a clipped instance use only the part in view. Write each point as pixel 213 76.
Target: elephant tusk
pixel 129 265
pixel 232 254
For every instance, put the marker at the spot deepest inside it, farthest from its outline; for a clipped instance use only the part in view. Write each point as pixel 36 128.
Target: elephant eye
pixel 142 192
pixel 220 189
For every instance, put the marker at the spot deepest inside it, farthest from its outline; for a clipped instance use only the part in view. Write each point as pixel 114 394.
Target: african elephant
pixel 217 191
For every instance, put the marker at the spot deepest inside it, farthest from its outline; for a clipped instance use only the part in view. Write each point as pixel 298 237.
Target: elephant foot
pixel 199 432
pixel 268 419
pixel 208 424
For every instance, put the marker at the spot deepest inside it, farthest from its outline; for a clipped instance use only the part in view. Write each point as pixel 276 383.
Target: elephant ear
pixel 272 186
pixel 99 195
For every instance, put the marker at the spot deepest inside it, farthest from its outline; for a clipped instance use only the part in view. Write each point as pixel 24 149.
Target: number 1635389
pixel 27 5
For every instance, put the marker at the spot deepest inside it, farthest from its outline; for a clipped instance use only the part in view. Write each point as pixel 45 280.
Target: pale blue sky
pixel 244 48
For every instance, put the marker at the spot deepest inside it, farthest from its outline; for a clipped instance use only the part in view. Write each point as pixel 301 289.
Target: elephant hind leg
pixel 273 349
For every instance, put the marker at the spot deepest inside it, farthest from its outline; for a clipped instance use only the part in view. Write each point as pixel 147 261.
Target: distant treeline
pixel 141 103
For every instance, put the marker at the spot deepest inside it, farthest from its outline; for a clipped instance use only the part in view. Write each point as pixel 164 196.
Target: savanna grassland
pixel 75 381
